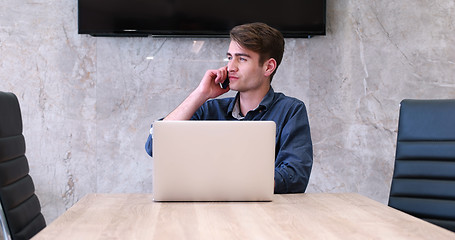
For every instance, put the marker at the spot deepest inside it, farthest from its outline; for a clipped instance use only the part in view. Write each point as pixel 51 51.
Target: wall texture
pixel 87 103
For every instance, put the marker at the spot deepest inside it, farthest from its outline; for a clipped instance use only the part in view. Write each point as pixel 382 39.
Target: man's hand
pixel 210 83
pixel 208 88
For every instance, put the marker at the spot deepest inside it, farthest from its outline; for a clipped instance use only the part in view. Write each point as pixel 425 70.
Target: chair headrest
pixel 10 115
pixel 427 120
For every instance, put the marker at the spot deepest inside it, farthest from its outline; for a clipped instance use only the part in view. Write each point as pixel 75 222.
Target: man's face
pixel 245 72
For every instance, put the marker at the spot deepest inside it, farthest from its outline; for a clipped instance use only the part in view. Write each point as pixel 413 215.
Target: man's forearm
pixel 208 88
pixel 188 107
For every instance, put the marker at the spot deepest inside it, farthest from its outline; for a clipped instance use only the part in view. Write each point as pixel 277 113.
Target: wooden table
pixel 288 216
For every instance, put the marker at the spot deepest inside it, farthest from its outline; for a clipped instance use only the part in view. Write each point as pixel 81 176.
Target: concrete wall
pixel 87 103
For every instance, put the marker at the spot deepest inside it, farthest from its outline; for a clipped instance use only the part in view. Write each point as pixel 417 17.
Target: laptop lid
pixel 213 160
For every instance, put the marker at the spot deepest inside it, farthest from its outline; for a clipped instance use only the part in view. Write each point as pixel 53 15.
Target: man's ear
pixel 269 67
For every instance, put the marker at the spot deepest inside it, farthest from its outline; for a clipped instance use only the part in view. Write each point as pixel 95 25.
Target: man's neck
pixel 251 100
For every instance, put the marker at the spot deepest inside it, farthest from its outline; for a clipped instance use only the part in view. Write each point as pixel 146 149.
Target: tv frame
pixel 317 30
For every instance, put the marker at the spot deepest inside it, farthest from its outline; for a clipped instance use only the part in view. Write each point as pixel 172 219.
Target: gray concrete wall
pixel 87 103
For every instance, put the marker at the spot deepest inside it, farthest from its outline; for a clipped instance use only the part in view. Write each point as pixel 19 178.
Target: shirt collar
pixel 234 106
pixel 236 110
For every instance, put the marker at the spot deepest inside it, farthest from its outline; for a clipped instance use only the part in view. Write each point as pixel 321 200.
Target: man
pixel 254 54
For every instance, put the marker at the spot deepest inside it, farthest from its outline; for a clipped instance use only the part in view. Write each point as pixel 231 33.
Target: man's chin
pixel 232 87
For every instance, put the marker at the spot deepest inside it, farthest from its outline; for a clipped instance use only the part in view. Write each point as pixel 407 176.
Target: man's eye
pixel 243 59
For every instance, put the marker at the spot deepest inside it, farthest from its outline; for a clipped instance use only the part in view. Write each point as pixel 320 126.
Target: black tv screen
pixel 205 18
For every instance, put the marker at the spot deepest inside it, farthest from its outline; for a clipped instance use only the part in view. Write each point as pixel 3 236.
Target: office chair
pixel 21 207
pixel 423 182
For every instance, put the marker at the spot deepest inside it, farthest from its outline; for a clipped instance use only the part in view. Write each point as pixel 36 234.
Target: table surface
pixel 288 216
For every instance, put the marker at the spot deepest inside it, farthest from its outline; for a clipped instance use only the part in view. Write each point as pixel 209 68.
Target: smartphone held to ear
pixel 225 84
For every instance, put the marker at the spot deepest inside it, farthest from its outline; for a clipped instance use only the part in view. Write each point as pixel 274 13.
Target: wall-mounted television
pixel 198 18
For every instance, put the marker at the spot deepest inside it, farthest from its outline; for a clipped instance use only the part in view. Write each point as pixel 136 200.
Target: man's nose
pixel 232 67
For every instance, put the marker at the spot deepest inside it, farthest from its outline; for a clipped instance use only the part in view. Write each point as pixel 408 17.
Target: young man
pixel 254 54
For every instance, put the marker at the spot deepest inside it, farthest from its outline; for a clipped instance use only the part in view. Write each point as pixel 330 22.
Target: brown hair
pixel 262 39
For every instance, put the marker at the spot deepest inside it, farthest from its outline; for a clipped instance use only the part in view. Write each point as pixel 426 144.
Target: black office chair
pixel 21 207
pixel 423 181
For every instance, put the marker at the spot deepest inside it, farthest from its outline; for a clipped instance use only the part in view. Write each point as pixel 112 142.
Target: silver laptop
pixel 213 160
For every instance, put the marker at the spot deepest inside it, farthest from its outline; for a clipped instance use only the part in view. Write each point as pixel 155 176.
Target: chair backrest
pixel 423 181
pixel 17 191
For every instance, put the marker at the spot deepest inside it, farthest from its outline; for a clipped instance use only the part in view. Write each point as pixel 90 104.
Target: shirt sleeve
pixel 149 143
pixel 294 151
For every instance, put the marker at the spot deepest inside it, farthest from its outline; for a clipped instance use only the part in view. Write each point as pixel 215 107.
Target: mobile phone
pixel 225 84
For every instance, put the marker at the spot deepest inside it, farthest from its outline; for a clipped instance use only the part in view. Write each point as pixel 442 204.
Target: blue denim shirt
pixel 293 149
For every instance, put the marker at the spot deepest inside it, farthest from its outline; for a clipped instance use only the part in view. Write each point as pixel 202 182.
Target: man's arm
pixel 295 154
pixel 208 88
